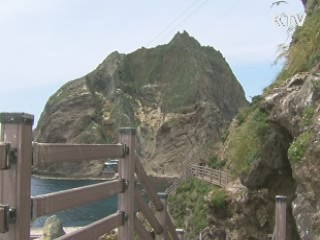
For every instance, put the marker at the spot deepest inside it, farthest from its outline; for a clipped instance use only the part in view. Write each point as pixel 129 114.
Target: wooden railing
pixel 221 178
pixel 214 176
pixel 18 207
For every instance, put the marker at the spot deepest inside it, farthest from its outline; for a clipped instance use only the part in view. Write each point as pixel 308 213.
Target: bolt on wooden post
pixel 126 172
pixel 281 221
pixel 15 180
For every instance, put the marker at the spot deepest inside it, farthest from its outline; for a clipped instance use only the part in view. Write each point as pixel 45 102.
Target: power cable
pixel 170 24
pixel 176 19
pixel 183 20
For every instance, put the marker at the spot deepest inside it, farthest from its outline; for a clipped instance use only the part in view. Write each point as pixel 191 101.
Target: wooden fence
pixel 221 178
pixel 214 176
pixel 18 207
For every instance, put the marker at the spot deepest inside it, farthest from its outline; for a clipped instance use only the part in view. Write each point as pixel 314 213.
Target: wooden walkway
pixel 214 176
pixel 221 178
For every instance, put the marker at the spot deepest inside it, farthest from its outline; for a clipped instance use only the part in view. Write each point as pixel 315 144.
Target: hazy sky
pixel 46 43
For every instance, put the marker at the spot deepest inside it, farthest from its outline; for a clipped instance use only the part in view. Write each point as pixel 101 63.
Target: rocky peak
pixel 184 39
pixel 179 96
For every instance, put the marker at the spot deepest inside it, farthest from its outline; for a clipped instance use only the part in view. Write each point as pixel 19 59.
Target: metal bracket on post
pixel 125 185
pixel 7 155
pixel 4 224
pixel 124 216
pixel 7 216
pixel 126 150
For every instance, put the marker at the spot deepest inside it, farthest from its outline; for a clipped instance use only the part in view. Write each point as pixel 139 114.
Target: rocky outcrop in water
pixel 52 228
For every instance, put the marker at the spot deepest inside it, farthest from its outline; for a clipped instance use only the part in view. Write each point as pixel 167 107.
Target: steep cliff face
pixel 273 147
pixel 179 96
pixel 294 108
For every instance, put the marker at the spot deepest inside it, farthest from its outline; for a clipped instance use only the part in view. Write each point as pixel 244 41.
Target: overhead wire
pixel 179 23
pixel 172 22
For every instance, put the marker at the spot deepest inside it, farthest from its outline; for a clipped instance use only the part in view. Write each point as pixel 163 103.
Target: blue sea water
pixel 85 214
pixel 79 216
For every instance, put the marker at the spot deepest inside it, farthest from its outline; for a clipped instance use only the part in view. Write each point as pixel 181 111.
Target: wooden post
pixel 15 181
pixel 126 171
pixel 161 215
pixel 180 233
pixel 281 223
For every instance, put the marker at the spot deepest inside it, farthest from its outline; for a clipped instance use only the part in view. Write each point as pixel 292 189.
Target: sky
pixel 46 43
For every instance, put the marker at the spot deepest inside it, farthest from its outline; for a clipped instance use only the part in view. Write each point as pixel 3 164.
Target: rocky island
pixel 180 96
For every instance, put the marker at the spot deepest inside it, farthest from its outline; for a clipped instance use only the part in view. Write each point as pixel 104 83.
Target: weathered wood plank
pixel 56 152
pixel 15 183
pixel 96 229
pixel 53 202
pixel 147 212
pixel 161 215
pixel 126 171
pixel 281 218
pixel 142 232
pixel 171 227
pixel 146 183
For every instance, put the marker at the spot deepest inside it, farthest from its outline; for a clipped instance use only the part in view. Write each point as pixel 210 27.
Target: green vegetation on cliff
pixel 217 198
pixel 304 50
pixel 97 118
pixel 193 203
pixel 246 140
pixel 182 84
pixel 188 207
pixel 177 68
pixel 298 147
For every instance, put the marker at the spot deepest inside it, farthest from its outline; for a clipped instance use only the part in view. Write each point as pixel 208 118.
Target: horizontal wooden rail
pixel 171 228
pixel 146 183
pixel 54 202
pixel 147 212
pixel 56 152
pixel 142 232
pixel 96 229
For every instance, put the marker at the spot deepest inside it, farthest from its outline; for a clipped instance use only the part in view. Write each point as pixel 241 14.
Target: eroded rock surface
pixel 288 164
pixel 52 228
pixel 179 96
